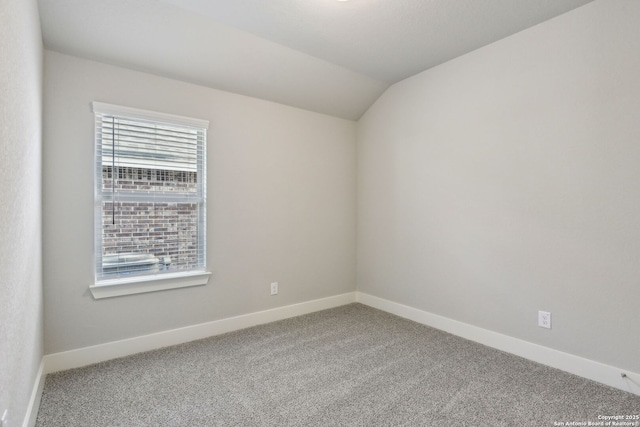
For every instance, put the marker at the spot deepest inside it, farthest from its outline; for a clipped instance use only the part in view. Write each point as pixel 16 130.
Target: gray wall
pixel 507 181
pixel 20 204
pixel 281 205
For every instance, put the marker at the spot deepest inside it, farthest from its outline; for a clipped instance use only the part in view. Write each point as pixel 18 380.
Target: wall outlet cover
pixel 544 319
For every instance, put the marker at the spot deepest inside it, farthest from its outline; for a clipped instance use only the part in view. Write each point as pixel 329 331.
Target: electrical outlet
pixel 544 319
pixel 4 421
pixel 274 288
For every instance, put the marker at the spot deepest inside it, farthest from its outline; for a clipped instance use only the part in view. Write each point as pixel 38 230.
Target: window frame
pixel 153 281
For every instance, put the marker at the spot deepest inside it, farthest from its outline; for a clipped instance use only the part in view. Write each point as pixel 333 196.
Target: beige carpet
pixel 349 366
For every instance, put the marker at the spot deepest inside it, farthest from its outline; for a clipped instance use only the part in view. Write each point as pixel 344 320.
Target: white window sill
pixel 142 284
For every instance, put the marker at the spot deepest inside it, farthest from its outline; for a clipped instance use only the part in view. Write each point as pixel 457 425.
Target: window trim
pixel 106 288
pixel 150 283
pixel 119 110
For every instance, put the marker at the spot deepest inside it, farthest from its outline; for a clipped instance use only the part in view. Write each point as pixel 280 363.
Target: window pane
pixel 165 233
pixel 148 180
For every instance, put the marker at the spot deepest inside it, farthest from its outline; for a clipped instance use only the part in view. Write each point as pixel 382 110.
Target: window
pixel 150 201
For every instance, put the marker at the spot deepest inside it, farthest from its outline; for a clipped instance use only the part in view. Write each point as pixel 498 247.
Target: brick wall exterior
pixel 162 229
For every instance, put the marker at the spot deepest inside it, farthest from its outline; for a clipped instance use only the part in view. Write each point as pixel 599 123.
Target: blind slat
pixel 139 144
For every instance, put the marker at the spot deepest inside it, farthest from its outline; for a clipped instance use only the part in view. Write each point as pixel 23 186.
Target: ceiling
pixel 333 57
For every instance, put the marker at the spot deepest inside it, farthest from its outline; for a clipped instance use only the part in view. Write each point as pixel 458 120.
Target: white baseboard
pixel 596 371
pixel 111 350
pixel 34 401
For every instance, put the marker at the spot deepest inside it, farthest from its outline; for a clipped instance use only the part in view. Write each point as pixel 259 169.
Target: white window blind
pixel 150 187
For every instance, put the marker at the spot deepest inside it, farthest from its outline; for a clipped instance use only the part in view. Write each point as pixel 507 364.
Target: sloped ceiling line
pixel 326 56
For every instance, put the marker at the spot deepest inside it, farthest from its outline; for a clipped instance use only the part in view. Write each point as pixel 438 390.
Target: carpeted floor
pixel 348 366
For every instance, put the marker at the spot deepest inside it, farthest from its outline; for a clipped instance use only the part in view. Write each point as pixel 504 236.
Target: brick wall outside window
pixel 161 229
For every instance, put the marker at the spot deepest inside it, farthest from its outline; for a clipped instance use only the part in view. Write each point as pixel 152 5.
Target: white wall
pixel 507 181
pixel 20 204
pixel 281 205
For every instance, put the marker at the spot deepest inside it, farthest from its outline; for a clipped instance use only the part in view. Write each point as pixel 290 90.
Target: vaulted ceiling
pixel 333 57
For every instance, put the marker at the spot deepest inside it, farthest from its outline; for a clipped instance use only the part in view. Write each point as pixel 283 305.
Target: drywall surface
pixel 20 205
pixel 280 192
pixel 507 181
